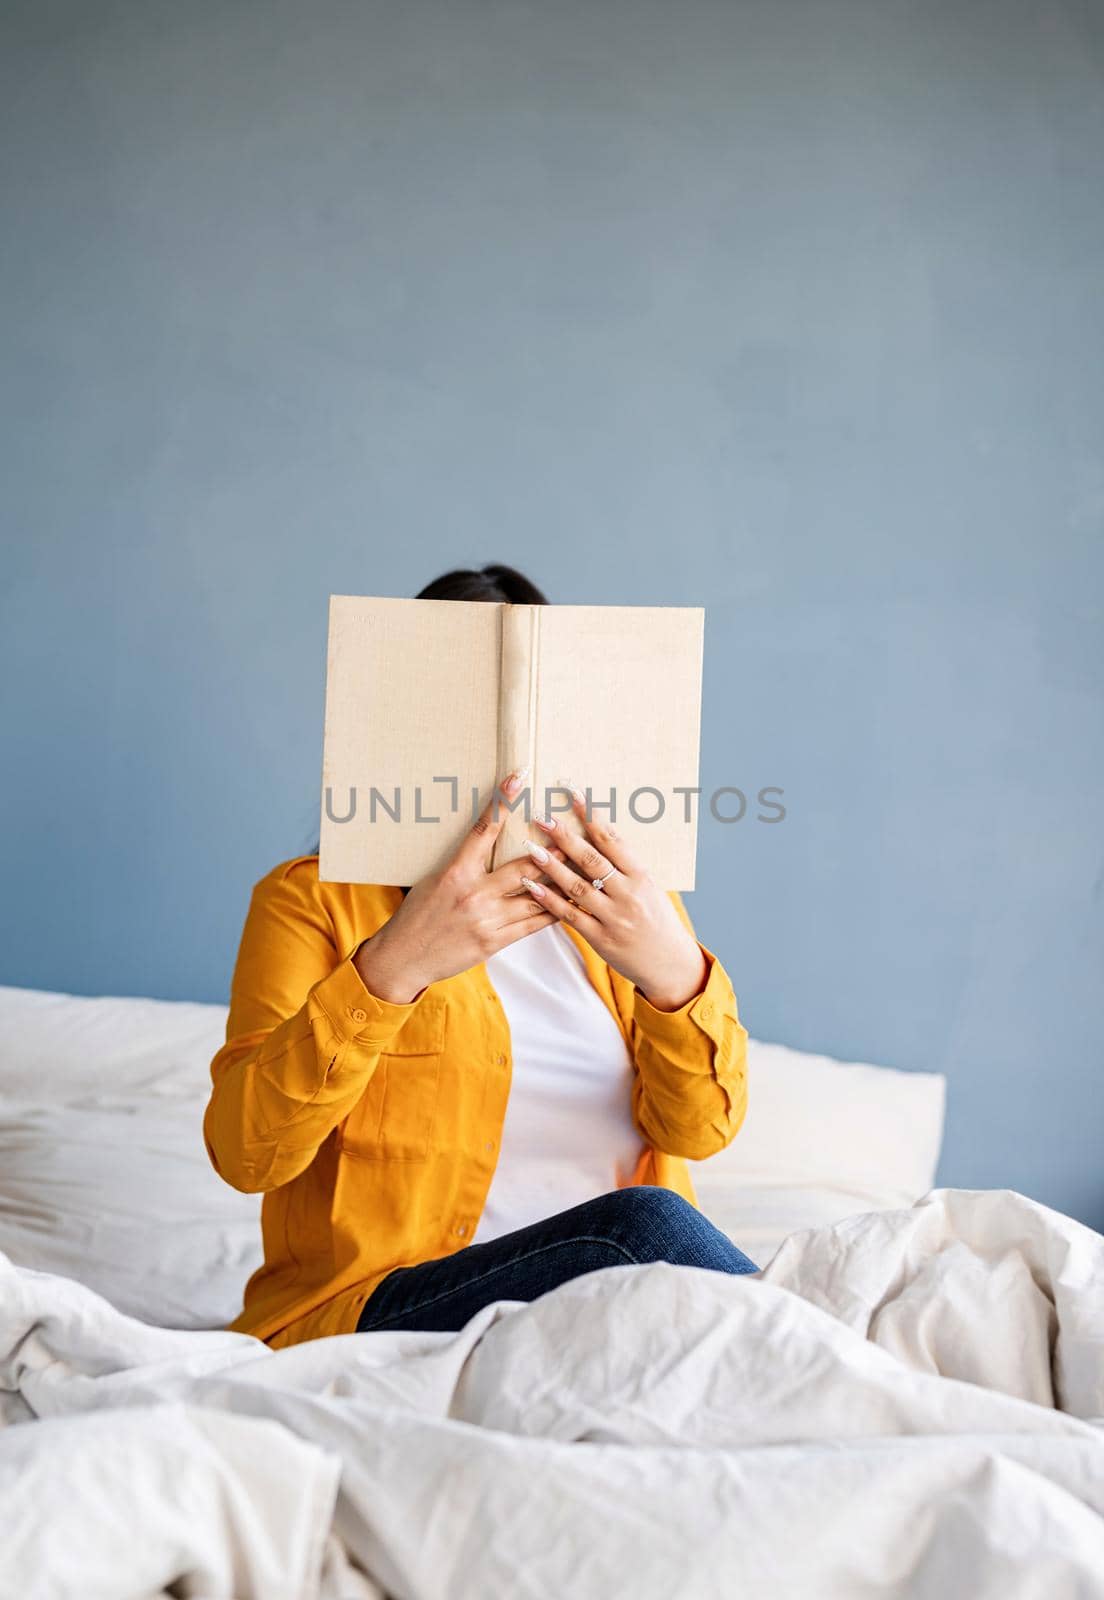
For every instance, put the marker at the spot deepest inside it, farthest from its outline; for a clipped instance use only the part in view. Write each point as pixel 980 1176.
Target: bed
pixel 908 1399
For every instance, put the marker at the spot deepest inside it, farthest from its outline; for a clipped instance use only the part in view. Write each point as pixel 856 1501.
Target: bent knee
pixel 652 1205
pixel 659 1225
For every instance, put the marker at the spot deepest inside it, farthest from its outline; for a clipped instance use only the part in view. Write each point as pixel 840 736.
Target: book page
pixel 619 712
pixel 412 690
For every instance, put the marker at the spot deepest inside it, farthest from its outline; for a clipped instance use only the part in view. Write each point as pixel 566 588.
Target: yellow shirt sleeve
pixel 303 1038
pixel 690 1089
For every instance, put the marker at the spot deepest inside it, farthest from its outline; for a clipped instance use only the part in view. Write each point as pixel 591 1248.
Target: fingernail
pixel 575 790
pixel 515 780
pixel 537 851
pixel 533 888
pixel 544 822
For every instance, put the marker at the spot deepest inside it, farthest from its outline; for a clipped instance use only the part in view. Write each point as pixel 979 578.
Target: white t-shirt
pixel 568 1132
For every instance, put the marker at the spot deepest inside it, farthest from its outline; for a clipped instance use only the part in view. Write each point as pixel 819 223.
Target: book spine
pixel 517 718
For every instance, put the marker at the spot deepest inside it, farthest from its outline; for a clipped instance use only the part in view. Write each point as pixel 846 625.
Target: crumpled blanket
pixel 907 1404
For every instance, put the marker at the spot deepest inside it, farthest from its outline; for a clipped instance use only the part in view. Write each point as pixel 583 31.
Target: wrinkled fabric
pixel 908 1404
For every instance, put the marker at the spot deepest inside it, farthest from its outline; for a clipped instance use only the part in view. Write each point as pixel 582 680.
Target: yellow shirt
pixel 373 1128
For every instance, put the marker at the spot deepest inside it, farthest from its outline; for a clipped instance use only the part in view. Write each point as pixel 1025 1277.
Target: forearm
pixel 677 985
pixel 690 1094
pixel 387 970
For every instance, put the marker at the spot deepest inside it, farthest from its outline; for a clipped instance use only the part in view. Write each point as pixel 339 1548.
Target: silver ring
pixel 597 883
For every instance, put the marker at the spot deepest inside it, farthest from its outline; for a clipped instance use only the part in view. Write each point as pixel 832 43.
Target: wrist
pixel 678 984
pixel 385 973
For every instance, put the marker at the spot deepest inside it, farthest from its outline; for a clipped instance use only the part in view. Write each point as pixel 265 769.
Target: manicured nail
pixel 576 791
pixel 544 822
pixel 515 780
pixel 533 888
pixel 537 851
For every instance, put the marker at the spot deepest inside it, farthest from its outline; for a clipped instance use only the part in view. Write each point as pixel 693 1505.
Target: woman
pixel 474 1089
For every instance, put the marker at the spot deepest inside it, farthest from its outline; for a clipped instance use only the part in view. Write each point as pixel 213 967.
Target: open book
pixel 429 703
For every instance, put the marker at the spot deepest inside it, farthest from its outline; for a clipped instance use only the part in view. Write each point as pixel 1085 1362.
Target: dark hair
pixel 496 583
pixel 503 585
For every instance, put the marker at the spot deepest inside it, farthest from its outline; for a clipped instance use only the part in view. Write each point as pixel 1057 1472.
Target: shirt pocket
pixel 395 1117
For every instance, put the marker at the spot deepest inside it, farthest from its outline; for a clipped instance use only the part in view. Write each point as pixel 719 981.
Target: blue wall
pixel 791 309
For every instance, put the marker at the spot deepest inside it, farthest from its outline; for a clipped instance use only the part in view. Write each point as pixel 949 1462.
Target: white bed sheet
pixel 906 1404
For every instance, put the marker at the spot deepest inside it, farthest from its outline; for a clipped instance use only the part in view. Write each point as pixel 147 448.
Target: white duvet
pixel 909 1403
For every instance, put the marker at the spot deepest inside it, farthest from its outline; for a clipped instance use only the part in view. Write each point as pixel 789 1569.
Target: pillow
pixel 822 1140
pixel 103 1173
pixel 56 1046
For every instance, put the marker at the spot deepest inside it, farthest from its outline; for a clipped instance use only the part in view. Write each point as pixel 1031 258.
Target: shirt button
pixel 706 1011
pixel 462 1229
pixel 358 1015
pixel 489 1145
pixel 500 1061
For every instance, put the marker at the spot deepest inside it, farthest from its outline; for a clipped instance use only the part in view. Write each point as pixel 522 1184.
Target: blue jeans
pixel 623 1228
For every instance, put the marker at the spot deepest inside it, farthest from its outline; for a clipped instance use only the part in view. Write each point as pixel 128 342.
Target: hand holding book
pixel 602 890
pixel 455 918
